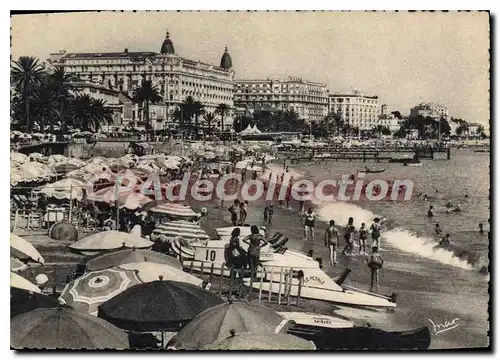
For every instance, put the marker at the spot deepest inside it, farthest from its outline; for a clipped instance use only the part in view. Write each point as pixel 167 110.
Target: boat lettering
pixel 322 321
pixel 314 279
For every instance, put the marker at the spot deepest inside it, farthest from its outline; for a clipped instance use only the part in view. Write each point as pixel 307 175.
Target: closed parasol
pixel 148 272
pixel 18 282
pixel 215 323
pixel 127 256
pixel 21 249
pixel 90 290
pixel 110 240
pixel 62 328
pixel 157 306
pixel 261 341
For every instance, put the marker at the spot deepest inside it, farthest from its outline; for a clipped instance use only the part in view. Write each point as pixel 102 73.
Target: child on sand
pixel 375 263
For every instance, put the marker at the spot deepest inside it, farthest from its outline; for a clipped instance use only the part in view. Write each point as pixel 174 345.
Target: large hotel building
pixel 356 109
pixel 176 77
pixel 434 110
pixel 308 99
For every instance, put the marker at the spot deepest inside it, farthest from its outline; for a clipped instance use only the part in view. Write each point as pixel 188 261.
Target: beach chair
pixel 34 220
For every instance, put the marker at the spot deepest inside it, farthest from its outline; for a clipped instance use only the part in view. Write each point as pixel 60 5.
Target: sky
pixel 404 58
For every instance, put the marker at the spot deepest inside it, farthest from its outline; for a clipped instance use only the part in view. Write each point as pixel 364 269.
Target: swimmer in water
pixel 438 230
pixel 481 230
pixel 458 208
pixel 466 196
pixel 446 240
pixel 430 213
pixel 449 204
pixel 425 197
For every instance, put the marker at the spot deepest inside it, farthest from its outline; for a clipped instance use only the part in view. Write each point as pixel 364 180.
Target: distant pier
pixel 371 155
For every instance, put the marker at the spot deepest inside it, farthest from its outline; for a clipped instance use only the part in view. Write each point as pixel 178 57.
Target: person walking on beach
pixel 268 214
pixel 332 241
pixel 375 263
pixel 237 256
pixel 232 209
pixel 255 242
pixel 481 230
pixel 243 212
pixel 363 236
pixel 309 220
pixel 375 228
pixel 347 234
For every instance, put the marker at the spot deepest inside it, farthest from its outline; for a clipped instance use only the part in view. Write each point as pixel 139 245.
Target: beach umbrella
pixel 133 201
pixel 57 158
pixel 261 341
pixel 64 189
pixel 216 322
pixel 22 301
pixel 178 211
pixel 36 156
pixel 21 249
pixel 157 306
pixel 148 272
pixel 127 256
pixel 110 240
pixel 17 265
pixel 18 157
pixel 187 230
pixel 65 167
pixel 62 328
pixel 17 281
pixel 91 289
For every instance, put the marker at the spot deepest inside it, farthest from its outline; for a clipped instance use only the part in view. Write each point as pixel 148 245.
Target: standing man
pixel 374 262
pixel 332 241
pixel 375 228
pixel 234 215
pixel 309 220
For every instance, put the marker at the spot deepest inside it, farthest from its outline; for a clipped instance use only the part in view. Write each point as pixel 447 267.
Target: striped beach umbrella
pixel 90 290
pixel 187 230
pixel 176 211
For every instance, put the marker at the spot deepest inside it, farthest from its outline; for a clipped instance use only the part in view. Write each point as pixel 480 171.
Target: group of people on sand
pixel 238 208
pixel 237 258
pixel 374 259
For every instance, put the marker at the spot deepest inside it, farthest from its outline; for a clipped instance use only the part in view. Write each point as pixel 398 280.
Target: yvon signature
pixel 448 325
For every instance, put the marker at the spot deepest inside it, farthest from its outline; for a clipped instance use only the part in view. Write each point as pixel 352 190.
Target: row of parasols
pixel 129 291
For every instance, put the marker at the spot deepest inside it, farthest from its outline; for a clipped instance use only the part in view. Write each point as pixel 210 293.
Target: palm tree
pixel 89 114
pixel 198 109
pixel 222 110
pixel 209 119
pixel 145 94
pixel 26 75
pixel 59 82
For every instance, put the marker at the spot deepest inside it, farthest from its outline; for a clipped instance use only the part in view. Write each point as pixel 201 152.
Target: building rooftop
pixel 168 46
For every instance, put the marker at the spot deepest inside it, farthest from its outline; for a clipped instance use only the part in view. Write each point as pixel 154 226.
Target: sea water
pixel 441 283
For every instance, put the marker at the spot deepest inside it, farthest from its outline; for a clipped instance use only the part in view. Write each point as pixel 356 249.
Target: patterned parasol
pixel 95 287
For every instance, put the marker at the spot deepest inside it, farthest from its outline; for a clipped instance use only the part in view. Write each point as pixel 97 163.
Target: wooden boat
pixel 414 164
pixel 363 338
pixel 371 171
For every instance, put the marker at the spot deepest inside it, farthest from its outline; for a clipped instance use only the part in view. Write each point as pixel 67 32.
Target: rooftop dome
pixel 168 46
pixel 225 61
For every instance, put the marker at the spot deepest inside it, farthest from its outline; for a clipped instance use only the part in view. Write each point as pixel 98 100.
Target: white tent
pixel 250 130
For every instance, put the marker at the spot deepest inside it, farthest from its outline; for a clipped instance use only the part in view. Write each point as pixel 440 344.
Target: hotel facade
pixel 434 110
pixel 176 77
pixel 356 109
pixel 308 99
